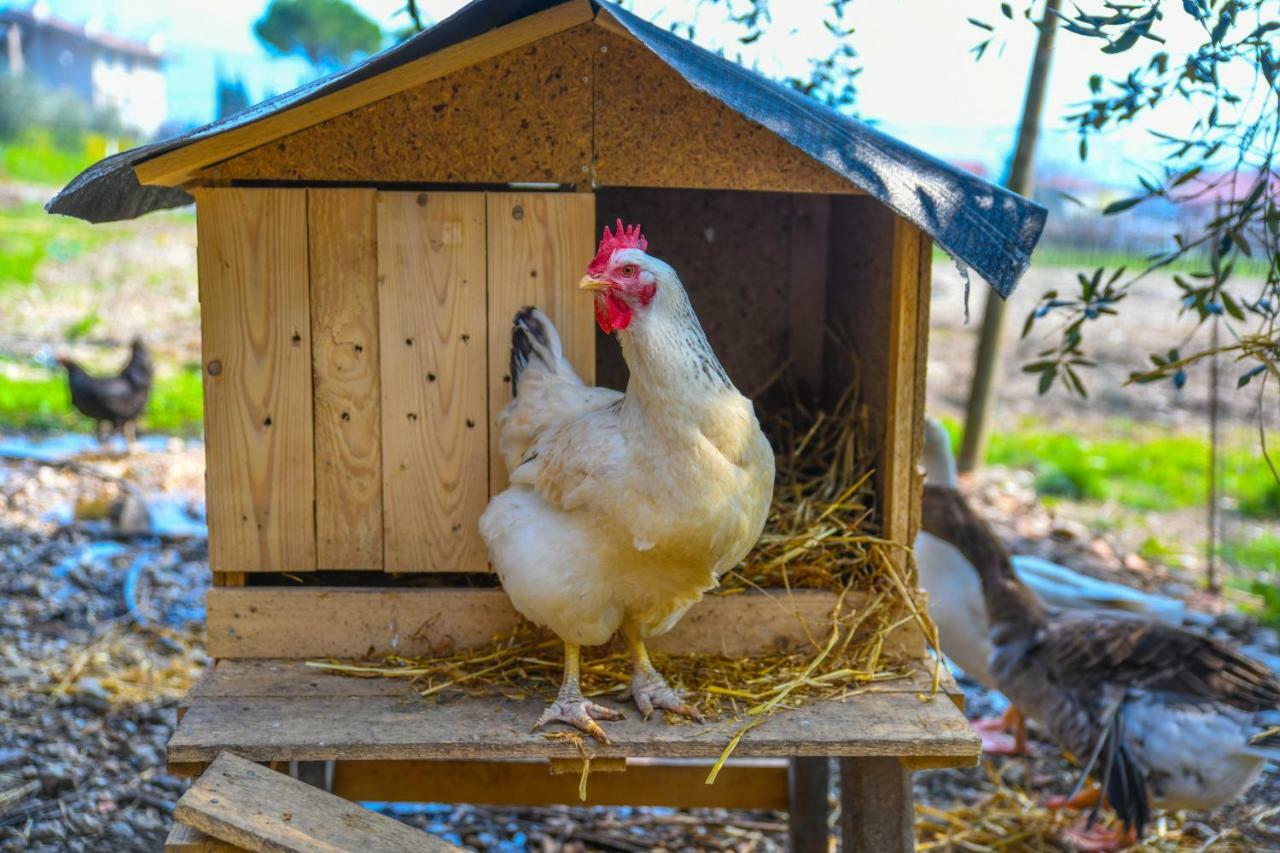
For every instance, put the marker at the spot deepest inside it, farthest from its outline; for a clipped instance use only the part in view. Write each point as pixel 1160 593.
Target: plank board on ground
pixel 243 803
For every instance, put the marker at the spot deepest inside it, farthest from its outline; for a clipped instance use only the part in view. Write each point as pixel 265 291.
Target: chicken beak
pixel 592 283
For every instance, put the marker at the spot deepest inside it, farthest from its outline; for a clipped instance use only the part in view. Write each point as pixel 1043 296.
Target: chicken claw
pixel 650 690
pixel 579 712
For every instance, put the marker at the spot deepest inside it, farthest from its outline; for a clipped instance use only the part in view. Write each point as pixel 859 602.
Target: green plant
pixel 41 405
pixel 28 236
pixel 82 327
pixel 1133 468
pixel 1261 553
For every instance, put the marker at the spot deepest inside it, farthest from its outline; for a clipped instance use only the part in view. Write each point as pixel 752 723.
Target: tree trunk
pixel 987 360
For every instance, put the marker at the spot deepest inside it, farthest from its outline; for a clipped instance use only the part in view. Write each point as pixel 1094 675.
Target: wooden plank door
pixel 435 436
pixel 256 330
pixel 539 247
pixel 342 242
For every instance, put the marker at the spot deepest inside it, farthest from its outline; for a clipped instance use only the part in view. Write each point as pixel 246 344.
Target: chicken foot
pixel 649 689
pixel 571 707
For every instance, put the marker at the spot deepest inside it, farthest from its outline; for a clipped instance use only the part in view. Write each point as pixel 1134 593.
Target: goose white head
pixel 939 463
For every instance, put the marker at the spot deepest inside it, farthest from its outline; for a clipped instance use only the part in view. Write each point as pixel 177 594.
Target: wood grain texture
pixel 655 130
pixel 876 809
pixel 539 247
pixel 522 116
pixel 756 785
pixel 435 436
pixel 248 805
pixel 399 726
pixel 181 165
pixel 342 241
pixel 256 339
pixel 187 839
pixel 904 409
pixel 284 622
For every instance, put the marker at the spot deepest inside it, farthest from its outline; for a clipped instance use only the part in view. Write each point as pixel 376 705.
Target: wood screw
pixel 517 212
pixel 215 367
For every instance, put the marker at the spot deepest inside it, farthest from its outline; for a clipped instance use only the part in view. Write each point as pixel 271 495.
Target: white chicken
pixel 623 509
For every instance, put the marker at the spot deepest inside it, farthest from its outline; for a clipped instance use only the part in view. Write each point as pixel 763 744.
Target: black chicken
pixel 114 402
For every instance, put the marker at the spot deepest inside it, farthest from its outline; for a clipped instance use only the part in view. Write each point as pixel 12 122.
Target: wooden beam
pixel 876 811
pixel 527 783
pixel 181 165
pixel 343 247
pixel 809 781
pixel 352 622
pixel 903 439
pixel 435 434
pixel 256 339
pixel 250 806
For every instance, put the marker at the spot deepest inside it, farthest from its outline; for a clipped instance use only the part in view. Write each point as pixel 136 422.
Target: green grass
pixel 33 158
pixel 39 405
pixel 28 236
pixel 1136 471
pixel 1262 553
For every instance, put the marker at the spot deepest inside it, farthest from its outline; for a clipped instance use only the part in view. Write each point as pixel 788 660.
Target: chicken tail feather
pixel 535 344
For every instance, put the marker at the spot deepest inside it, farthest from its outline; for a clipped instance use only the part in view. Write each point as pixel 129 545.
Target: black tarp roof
pixel 982 225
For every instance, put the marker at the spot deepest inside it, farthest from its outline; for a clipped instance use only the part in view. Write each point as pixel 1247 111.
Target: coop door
pixel 356 345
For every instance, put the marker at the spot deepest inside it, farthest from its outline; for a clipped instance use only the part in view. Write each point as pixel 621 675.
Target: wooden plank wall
pixel 356 348
pixel 256 330
pixel 342 238
pixel 435 425
pixel 539 246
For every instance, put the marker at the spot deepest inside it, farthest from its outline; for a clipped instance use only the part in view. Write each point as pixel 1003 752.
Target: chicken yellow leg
pixel 649 689
pixel 571 707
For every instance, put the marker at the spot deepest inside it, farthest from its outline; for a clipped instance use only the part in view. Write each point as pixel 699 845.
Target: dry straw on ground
pixel 998 815
pixel 821 533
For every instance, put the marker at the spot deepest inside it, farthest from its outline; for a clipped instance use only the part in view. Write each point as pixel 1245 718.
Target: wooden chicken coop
pixel 363 244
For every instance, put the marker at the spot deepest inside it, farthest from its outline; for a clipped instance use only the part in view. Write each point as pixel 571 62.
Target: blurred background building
pixel 105 71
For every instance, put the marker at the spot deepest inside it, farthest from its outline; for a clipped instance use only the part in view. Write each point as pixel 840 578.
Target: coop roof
pixel 984 226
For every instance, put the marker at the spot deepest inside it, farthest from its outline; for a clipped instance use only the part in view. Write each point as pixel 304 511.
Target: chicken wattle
pixel 623 508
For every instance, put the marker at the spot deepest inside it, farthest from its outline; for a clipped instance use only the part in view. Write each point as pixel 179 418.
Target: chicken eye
pixel 628 270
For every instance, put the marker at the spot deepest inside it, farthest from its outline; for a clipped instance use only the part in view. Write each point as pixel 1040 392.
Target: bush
pixel 25 104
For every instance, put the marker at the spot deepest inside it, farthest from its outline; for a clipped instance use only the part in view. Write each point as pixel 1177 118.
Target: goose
pixel 956 605
pixel 1162 716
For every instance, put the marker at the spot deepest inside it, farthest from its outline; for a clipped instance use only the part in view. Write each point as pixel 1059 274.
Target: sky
pixel 919 79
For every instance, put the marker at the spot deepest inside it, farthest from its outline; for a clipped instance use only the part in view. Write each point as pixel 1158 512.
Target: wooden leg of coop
pixel 314 773
pixel 876 811
pixel 808 781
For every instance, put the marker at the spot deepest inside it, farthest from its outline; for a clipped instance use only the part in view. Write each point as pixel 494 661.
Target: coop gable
pixel 662 113
pixel 589 105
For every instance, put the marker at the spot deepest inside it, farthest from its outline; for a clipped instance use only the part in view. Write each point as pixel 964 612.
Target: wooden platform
pixel 286 711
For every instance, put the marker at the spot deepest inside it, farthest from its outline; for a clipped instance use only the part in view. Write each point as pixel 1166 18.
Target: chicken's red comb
pixel 625 238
